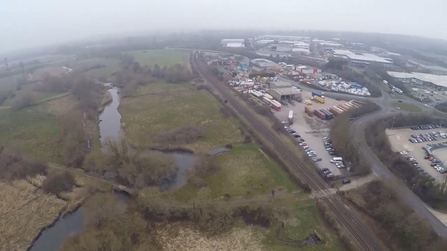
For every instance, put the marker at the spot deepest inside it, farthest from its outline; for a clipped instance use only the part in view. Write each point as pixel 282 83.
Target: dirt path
pixel 358 182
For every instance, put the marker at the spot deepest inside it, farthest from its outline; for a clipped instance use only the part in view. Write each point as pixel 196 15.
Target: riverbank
pixel 105 101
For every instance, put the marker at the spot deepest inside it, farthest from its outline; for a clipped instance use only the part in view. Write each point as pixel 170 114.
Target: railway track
pixel 344 215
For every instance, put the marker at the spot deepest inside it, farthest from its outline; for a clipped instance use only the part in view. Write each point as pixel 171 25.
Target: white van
pixel 336 159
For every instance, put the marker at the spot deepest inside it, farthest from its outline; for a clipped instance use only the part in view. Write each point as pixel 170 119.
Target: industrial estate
pixel 224 140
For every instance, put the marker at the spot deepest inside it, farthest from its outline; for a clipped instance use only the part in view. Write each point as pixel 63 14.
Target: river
pixel 109 128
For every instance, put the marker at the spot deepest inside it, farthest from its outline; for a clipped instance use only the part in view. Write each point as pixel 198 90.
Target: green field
pixel 80 65
pixel 161 57
pixel 407 107
pixel 34 132
pixel 166 106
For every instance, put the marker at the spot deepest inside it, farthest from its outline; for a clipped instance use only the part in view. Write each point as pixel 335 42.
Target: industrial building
pixel 285 93
pixel 281 90
pixel 435 69
pixel 360 58
pixel 233 43
pixel 438 82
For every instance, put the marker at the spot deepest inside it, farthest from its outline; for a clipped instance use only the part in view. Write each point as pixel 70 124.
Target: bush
pixel 13 166
pixel 182 135
pixel 58 182
pixel 204 167
pixel 24 101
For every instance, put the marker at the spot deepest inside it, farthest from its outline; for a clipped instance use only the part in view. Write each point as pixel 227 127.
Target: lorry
pixel 319 99
pixel 290 118
pixel 275 105
pixel 318 94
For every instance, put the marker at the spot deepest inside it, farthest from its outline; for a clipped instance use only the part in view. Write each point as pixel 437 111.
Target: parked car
pixel 345 181
pixel 315 159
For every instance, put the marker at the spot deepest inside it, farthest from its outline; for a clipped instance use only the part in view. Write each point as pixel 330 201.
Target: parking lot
pixel 311 129
pixel 413 141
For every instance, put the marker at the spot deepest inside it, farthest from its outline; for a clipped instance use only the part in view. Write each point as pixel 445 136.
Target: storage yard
pixel 412 148
pixel 306 115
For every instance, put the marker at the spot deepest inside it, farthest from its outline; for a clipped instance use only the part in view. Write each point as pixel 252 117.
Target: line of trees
pixel 342 140
pixel 430 192
pixel 404 226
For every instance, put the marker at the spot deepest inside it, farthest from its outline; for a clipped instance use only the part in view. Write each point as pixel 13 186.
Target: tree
pixel 24 101
pixel 58 182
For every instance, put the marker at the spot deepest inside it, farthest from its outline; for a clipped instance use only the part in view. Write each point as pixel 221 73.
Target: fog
pixel 31 23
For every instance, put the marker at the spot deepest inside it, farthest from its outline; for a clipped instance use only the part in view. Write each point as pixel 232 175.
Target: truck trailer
pixel 290 118
pixel 319 99
pixel 309 111
pixel 318 94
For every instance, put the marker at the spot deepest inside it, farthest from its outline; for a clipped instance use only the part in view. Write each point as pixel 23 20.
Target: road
pixel 358 131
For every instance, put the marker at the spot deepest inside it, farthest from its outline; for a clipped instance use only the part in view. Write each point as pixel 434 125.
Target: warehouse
pixel 280 84
pixel 422 79
pixel 285 93
pixel 363 59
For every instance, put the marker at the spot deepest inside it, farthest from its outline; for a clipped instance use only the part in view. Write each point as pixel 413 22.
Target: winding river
pixel 110 128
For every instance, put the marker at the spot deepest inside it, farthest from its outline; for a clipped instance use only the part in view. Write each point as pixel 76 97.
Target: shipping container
pixel 338 110
pixel 319 99
pixel 342 108
pixel 335 111
pixel 309 111
pixel 328 114
pixel 349 105
pixel 345 107
pixel 318 94
pixel 290 118
pixel 319 114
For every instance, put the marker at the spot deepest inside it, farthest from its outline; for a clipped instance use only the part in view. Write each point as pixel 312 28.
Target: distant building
pixel 360 58
pixel 435 69
pixel 233 43
pixel 422 79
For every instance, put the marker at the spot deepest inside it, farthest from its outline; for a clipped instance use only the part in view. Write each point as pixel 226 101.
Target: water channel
pixel 110 128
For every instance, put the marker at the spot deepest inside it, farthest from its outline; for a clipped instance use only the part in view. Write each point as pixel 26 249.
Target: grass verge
pixel 407 107
pixel 161 57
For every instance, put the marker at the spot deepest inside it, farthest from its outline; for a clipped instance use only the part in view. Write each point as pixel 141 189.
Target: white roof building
pixel 362 57
pixel 438 80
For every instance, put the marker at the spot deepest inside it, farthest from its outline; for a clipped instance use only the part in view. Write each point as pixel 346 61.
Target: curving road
pixel 358 131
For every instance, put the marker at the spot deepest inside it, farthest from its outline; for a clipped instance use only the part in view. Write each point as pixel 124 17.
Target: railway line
pixel 346 217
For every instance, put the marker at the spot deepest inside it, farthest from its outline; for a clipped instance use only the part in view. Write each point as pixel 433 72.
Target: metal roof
pixel 286 91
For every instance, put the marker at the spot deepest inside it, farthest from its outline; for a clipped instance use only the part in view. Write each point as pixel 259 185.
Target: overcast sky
pixel 30 23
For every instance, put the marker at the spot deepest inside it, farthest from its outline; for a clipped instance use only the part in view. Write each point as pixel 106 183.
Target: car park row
pixel 424 137
pixel 425 127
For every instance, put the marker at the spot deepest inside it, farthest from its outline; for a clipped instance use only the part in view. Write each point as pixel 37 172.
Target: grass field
pixel 112 65
pixel 407 107
pixel 161 57
pixel 168 106
pixel 32 131
pixel 24 211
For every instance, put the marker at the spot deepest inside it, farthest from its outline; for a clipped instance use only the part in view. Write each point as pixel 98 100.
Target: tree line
pixel 342 138
pixel 430 192
pixel 403 226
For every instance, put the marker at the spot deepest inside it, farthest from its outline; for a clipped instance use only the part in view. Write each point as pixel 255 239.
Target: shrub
pixel 58 182
pixel 24 101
